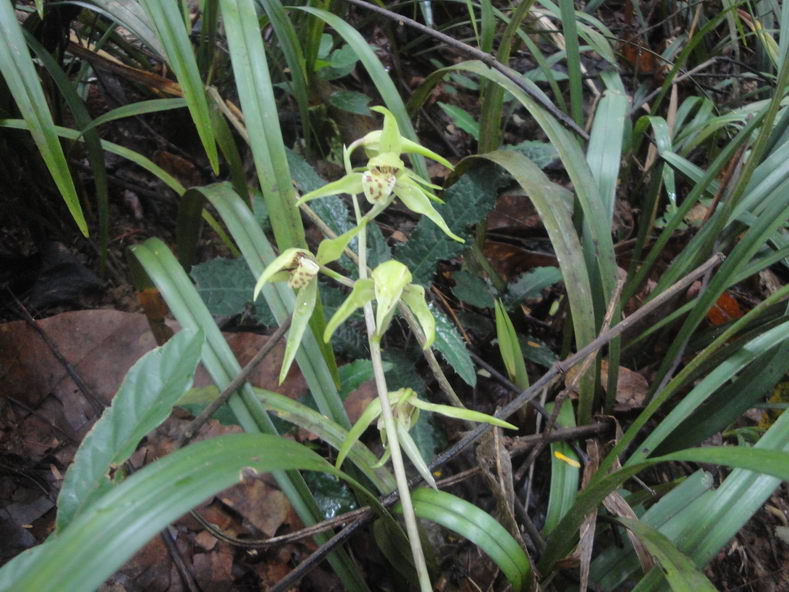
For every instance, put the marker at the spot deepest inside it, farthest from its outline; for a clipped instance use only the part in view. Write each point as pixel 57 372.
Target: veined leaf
pixel 143 401
pixel 451 346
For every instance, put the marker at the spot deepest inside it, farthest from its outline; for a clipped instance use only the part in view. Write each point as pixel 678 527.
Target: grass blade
pixel 378 75
pixel 168 22
pixel 258 253
pixel 190 311
pixel 557 218
pixel 261 116
pixel 103 538
pixel 681 573
pixel 479 527
pixel 22 80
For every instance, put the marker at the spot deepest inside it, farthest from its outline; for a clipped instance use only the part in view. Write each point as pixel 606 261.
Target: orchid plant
pixel 382 180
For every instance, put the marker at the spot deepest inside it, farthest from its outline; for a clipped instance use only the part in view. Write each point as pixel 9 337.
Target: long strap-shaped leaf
pixel 261 117
pixel 679 569
pixel 479 527
pixel 601 255
pixel 381 79
pixel 20 76
pixel 770 462
pixel 168 22
pixel 557 219
pixel 190 311
pixel 112 529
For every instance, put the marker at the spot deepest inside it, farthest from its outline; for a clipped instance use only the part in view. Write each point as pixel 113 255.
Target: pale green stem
pixel 409 515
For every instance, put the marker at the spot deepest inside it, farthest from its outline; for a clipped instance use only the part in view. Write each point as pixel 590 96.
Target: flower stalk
pixel 383 179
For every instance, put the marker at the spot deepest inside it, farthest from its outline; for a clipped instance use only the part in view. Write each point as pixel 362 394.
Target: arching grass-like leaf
pixel 134 110
pixel 681 573
pixel 144 400
pixel 126 153
pixel 479 527
pixel 108 533
pixel 261 117
pixel 558 223
pixel 20 75
pixel 168 22
pixel 378 74
pixel 772 462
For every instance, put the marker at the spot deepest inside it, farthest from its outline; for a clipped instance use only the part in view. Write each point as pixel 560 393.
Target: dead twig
pixel 231 388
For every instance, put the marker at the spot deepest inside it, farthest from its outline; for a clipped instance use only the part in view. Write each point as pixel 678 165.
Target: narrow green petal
pixel 362 293
pixel 418 178
pixel 415 200
pixel 412 451
pixel 390 140
pixel 466 414
pixel 350 183
pixel 390 278
pixel 284 260
pixel 411 147
pixel 414 298
pixel 368 416
pixel 331 249
pixel 302 311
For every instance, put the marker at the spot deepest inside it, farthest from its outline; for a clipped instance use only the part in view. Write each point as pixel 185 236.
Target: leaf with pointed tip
pixel 362 293
pixel 302 311
pixel 108 533
pixel 144 400
pixel 414 298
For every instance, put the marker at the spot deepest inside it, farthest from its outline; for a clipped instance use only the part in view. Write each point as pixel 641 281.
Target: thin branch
pixel 195 425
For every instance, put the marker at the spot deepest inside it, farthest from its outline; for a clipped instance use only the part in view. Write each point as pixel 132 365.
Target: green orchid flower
pixel 300 269
pixel 406 406
pixel 389 284
pixel 386 176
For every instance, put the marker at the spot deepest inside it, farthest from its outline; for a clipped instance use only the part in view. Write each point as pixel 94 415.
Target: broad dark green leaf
pixel 144 400
pixel 472 289
pixel 226 285
pixel 540 153
pixel 452 348
pixel 352 101
pixel 531 284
